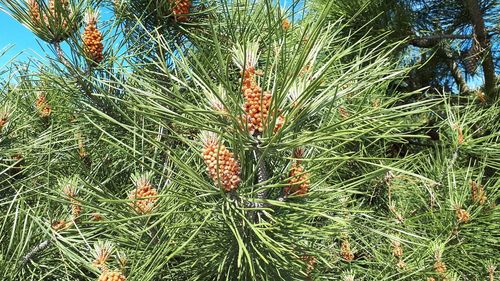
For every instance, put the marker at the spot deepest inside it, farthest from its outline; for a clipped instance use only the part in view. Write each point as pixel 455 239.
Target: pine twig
pixel 35 250
pixel 457 75
pixel 282 197
pixel 432 40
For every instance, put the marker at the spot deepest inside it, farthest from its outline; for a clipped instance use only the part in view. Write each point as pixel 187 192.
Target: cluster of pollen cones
pixel 92 39
pixel 111 276
pixel 143 196
pixel 221 164
pixel 34 10
pixel 56 19
pixel 180 8
pixel 257 104
pixel 58 14
pixel 478 193
pixel 102 252
pixel 59 225
pixel 462 215
pixel 3 121
pixel 64 6
pixel 4 118
pixel 43 107
pixel 299 182
pixel 345 251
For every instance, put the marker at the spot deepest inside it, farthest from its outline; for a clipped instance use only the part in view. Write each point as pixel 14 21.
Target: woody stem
pixel 262 173
pixel 85 87
pixel 262 176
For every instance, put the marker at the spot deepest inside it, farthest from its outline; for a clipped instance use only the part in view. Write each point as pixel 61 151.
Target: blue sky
pixel 23 43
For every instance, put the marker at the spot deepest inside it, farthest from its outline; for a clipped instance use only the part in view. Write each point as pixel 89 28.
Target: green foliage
pixel 402 185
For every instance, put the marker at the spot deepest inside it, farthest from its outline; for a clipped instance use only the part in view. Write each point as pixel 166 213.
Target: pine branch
pixel 262 172
pixel 86 87
pixel 262 176
pixel 457 75
pixel 433 40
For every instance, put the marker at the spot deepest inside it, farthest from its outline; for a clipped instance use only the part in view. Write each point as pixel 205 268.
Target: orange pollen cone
pixel 222 166
pixel 111 276
pixel 299 180
pixel 141 204
pixel 180 9
pixel 92 40
pixel 257 104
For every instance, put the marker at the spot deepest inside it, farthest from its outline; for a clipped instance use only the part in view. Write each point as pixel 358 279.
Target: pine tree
pixel 239 141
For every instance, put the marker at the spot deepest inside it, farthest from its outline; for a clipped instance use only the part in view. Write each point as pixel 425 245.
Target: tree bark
pixel 477 20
